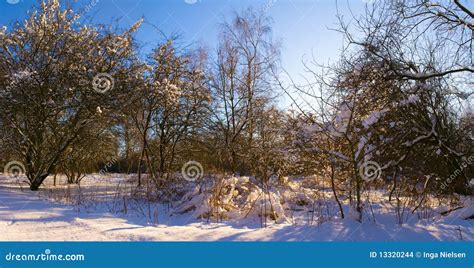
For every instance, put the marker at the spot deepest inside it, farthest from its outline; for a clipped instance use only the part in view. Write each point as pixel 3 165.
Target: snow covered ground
pixel 34 216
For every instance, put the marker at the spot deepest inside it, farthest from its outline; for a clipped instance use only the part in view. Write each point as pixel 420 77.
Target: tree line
pixel 76 97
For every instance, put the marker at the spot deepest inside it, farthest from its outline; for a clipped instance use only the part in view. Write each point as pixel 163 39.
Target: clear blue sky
pixel 301 25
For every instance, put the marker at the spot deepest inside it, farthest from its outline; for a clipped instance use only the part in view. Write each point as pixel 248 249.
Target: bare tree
pixel 245 59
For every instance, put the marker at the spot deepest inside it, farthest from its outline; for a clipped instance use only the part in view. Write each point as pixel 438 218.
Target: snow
pixel 467 212
pixel 34 216
pixel 373 118
pixel 410 100
pixel 341 121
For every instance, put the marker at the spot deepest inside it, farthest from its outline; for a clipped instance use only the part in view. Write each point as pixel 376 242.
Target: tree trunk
pixel 142 153
pixel 37 181
pixel 394 184
pixel 333 186
pixel 358 198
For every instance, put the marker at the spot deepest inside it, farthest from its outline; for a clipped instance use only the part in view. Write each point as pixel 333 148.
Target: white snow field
pixel 47 216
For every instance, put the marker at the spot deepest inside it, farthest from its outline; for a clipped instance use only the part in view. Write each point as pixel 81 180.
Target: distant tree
pixel 242 74
pixel 173 106
pixel 82 157
pixel 267 152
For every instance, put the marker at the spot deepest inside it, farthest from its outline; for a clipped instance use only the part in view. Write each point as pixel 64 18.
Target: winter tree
pixel 60 79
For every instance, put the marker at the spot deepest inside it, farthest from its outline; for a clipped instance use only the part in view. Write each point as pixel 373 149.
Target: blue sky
pixel 301 25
